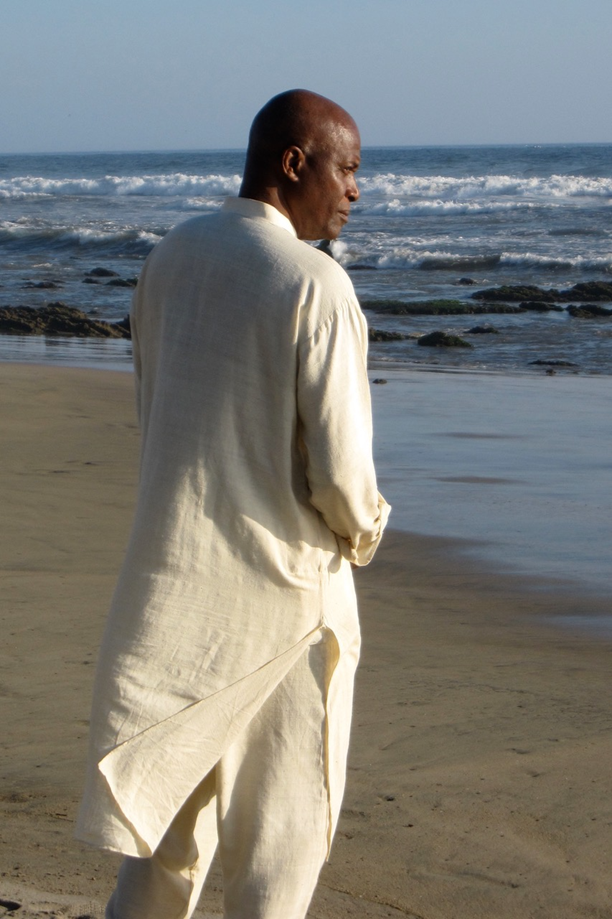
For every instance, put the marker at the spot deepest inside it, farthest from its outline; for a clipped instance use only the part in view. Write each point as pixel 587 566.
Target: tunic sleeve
pixel 336 433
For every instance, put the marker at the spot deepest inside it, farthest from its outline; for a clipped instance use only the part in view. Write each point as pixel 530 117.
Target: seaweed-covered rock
pixel 384 335
pixel 101 273
pixel 41 285
pixel 588 311
pixel 122 282
pixel 443 340
pixel 483 330
pixel 516 294
pixel 435 307
pixel 539 306
pixel 57 319
pixel 543 363
pixel 588 290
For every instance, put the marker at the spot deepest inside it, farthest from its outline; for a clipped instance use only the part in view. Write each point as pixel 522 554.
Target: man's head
pixel 302 157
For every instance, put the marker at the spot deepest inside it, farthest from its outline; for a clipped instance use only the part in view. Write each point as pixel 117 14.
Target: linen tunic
pixel 257 492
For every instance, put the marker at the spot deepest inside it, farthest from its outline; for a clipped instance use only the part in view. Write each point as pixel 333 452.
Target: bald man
pixel 223 695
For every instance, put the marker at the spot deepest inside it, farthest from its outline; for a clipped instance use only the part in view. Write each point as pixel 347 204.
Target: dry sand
pixel 479 783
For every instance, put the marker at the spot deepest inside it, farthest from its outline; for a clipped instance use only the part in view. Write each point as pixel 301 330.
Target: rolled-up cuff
pixel 363 553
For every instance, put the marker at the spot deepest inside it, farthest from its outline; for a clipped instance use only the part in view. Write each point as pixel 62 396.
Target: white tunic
pixel 257 491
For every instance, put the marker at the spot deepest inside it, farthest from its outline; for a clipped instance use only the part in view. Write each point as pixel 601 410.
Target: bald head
pixel 303 146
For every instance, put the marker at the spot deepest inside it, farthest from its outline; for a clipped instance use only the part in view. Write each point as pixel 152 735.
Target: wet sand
pixel 479 783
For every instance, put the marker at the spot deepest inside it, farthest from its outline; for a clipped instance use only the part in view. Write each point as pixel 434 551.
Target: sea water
pixel 521 467
pixel 428 219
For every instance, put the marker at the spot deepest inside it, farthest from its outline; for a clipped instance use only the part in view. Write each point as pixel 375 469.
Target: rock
pixel 125 325
pixel 379 380
pixel 589 290
pixel 122 282
pixel 543 363
pixel 537 306
pixel 482 330
pixel 58 319
pixel 588 311
pixel 325 246
pixel 443 340
pixel 435 307
pixel 509 294
pixel 101 273
pixel 90 281
pixel 41 285
pixel 467 282
pixel 383 335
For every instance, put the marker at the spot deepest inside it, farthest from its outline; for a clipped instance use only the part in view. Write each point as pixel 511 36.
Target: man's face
pixel 321 199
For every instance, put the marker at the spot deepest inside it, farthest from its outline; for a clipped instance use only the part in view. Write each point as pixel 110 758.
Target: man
pixel 223 697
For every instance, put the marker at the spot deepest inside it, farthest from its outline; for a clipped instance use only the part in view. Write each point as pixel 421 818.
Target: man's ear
pixel 293 162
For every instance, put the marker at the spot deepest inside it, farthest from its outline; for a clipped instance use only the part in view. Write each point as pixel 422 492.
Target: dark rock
pixel 443 340
pixel 542 363
pixel 589 290
pixel 122 282
pixel 57 319
pixel 509 294
pixel 383 335
pixel 379 380
pixel 467 282
pixel 325 246
pixel 588 311
pixel 435 307
pixel 41 285
pixel 90 281
pixel 537 306
pixel 124 324
pixel 102 273
pixel 482 330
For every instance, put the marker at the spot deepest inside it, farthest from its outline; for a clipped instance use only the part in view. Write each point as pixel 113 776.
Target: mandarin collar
pixel 249 207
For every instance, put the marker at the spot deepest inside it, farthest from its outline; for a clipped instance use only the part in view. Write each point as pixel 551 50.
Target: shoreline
pixel 478 781
pixel 512 464
pixel 97 354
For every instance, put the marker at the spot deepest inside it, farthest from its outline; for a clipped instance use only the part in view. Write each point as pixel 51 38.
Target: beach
pixel 479 779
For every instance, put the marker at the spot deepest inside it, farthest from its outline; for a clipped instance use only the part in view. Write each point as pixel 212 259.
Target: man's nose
pixel 353 190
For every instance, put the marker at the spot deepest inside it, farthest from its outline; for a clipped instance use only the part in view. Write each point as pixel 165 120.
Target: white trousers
pixel 265 804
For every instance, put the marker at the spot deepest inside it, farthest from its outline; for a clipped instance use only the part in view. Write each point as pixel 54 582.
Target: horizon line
pixel 242 150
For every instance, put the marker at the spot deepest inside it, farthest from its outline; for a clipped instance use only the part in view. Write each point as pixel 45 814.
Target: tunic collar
pixel 249 207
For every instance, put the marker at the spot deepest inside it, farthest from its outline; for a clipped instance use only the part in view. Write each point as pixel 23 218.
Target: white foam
pixel 449 187
pixel 173 184
pixel 396 208
pixel 402 257
pixel 42 236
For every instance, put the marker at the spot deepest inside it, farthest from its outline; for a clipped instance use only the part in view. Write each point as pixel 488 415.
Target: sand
pixel 479 783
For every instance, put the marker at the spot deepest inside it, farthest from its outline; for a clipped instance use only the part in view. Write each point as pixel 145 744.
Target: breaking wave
pixel 446 191
pixel 403 258
pixel 489 186
pixel 172 185
pixel 124 241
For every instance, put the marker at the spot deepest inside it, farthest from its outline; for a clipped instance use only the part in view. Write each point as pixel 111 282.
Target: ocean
pixel 519 465
pixel 432 222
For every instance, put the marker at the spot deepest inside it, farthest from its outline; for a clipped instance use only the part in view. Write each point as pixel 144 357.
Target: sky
pixel 85 75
